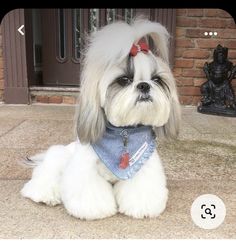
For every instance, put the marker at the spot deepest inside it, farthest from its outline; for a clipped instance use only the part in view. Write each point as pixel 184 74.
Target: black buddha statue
pixel 217 93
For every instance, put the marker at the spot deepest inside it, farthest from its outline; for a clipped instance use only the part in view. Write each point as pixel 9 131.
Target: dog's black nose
pixel 143 87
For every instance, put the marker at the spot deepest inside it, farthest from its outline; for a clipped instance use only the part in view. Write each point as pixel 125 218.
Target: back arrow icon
pixel 20 30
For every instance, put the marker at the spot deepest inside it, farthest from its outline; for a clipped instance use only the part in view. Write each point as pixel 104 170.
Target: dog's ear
pixel 90 116
pixel 104 48
pixel 171 129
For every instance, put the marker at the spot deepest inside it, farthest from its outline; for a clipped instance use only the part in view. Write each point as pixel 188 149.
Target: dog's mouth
pixel 144 98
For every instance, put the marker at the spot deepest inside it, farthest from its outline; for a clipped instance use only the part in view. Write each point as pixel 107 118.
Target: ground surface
pixel 202 160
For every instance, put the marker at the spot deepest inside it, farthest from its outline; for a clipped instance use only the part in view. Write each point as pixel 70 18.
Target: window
pixel 76 33
pixel 61 33
pixel 129 12
pixel 93 19
pixel 110 15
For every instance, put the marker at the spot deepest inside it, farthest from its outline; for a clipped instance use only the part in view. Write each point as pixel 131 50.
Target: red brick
pixel 211 12
pixel 196 100
pixel 227 34
pixel 231 44
pixel 199 81
pixel 187 63
pixel 188 90
pixel 232 54
pixel 184 43
pixel 69 100
pixel 186 22
pixel 55 99
pixel 179 52
pixel 199 63
pixel 223 14
pixel 181 12
pixel 42 99
pixel 214 23
pixel 185 100
pixel 195 73
pixel 197 12
pixel 219 13
pixel 177 72
pixel 181 81
pixel 195 53
pixel 180 32
pixel 209 43
pixel 231 23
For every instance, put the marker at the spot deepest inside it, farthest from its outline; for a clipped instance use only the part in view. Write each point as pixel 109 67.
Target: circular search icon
pixel 208 211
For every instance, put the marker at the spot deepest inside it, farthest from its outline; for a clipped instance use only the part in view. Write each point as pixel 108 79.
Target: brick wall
pixel 54 99
pixel 193 48
pixel 1 68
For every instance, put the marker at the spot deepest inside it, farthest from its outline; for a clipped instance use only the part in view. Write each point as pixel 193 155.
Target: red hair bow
pixel 140 46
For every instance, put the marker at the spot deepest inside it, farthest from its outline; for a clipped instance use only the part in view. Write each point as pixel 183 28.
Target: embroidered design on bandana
pixel 140 146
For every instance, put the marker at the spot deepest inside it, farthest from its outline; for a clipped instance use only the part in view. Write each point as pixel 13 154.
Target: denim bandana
pixel 138 142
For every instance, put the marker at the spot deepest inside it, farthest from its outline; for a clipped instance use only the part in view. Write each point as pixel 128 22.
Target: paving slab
pixel 38 134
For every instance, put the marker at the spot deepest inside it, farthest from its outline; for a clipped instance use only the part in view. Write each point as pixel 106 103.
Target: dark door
pixel 64 30
pixel 60 64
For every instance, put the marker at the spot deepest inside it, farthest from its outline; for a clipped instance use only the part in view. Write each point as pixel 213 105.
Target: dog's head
pixel 126 80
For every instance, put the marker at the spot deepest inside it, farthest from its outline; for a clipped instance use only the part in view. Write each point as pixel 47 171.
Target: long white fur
pixel 73 174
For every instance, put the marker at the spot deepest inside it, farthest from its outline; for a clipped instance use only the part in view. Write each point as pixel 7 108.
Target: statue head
pixel 220 54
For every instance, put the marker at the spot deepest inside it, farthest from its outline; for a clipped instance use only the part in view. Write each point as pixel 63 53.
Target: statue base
pixel 217 110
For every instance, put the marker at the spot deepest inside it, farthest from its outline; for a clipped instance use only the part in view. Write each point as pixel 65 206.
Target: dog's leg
pixel 86 194
pixel 146 194
pixel 44 184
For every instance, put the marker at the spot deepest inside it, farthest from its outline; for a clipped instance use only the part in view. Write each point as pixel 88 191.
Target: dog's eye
pixel 124 81
pixel 160 82
pixel 157 79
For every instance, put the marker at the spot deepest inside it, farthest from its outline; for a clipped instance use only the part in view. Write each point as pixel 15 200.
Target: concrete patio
pixel 202 160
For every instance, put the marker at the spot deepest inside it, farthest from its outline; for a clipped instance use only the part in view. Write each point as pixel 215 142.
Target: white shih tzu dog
pixel 128 100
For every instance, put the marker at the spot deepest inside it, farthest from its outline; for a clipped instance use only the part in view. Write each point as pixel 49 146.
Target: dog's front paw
pixel 141 204
pixel 91 202
pixel 90 210
pixel 41 192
